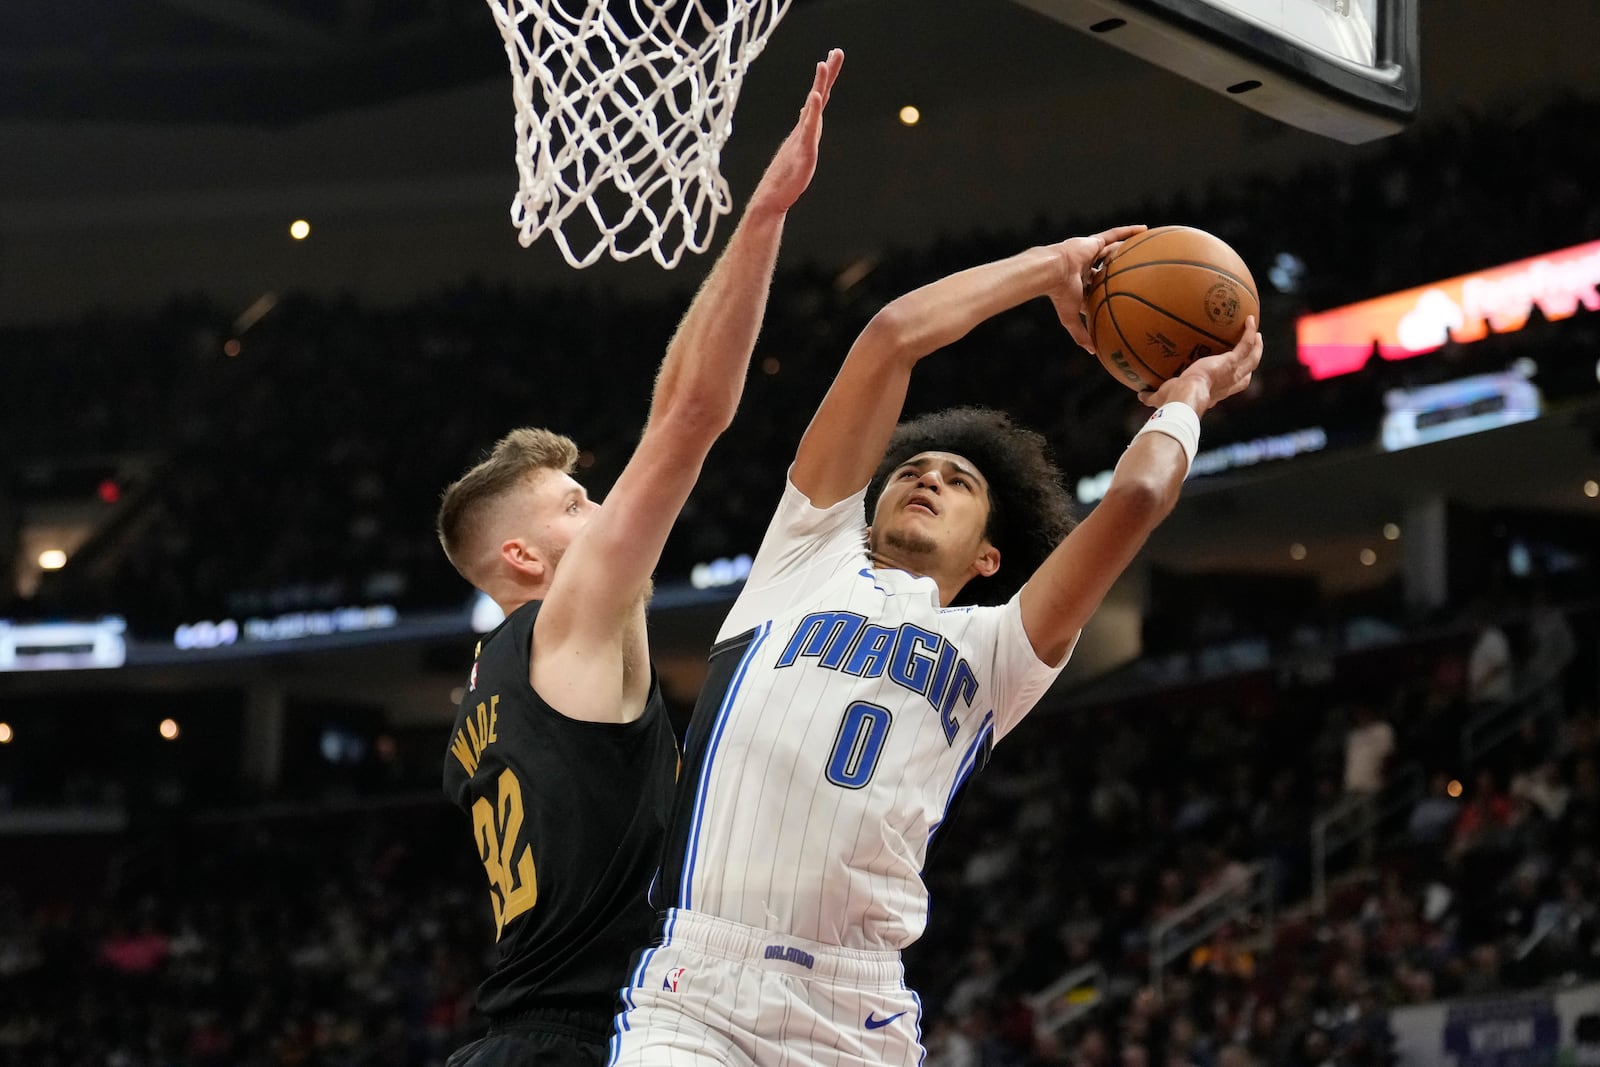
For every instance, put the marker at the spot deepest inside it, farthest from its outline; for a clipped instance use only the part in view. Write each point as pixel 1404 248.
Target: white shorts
pixel 721 993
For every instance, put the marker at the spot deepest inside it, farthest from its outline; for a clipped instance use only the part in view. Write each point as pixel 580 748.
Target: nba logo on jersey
pixel 671 980
pixel 472 683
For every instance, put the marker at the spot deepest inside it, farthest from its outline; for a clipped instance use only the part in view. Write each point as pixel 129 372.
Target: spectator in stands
pixel 1481 971
pixel 1484 817
pixel 1573 922
pixel 1265 1038
pixel 1552 645
pixel 1584 805
pixel 1434 813
pixel 982 979
pixel 1543 788
pixel 948 1046
pixel 1368 745
pixel 1489 662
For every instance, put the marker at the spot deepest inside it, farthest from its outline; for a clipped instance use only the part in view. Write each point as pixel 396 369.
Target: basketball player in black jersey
pixel 561 752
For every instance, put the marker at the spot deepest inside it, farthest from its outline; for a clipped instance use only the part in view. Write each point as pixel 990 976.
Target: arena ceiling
pixel 155 146
pixel 273 62
pixel 266 62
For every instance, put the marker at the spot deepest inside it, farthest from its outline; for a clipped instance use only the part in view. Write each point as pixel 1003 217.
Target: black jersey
pixel 568 818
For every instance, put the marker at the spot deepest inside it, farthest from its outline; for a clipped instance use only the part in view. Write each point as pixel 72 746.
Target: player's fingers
pixel 1106 253
pixel 1120 233
pixel 1079 332
pixel 827 72
pixel 1247 340
pixel 819 87
pixel 810 122
pixel 1081 252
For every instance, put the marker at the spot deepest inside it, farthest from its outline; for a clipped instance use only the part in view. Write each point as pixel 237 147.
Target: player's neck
pixel 890 560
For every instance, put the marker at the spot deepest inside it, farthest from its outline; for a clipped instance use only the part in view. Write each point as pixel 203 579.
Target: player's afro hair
pixel 1029 510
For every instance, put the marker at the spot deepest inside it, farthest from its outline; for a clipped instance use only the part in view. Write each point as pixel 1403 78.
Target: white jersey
pixel 842 713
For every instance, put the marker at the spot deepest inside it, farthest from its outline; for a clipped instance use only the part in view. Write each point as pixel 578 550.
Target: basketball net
pixel 622 112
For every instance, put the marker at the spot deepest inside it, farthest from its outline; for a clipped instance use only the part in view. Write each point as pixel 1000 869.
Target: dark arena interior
pixel 231 649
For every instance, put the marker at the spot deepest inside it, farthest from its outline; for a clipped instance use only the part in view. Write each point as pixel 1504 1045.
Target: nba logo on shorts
pixel 671 980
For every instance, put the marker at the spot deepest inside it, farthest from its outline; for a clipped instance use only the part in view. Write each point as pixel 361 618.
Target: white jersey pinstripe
pixel 857 711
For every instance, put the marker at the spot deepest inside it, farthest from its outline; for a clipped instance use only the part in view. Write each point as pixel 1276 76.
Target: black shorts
pixel 546 1039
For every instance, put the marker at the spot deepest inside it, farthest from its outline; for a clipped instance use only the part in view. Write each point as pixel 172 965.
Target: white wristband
pixel 1178 421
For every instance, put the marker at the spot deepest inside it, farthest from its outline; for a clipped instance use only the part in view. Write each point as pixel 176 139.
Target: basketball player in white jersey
pixel 865 672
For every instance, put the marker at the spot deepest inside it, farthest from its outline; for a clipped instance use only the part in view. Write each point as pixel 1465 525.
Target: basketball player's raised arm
pixel 847 436
pixel 608 566
pixel 1069 585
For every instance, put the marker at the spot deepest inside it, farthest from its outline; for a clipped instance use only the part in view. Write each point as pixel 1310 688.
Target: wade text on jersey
pixel 476 734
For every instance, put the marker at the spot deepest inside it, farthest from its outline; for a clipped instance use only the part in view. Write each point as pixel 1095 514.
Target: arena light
pixel 169 729
pixel 1391 531
pixel 5 733
pixel 1287 272
pixel 259 308
pixel 854 273
pixel 910 115
pixel 1591 489
pixel 720 572
pixel 485 614
pixel 299 229
pixel 52 559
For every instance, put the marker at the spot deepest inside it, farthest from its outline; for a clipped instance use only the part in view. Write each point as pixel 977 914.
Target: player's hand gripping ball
pixel 1162 300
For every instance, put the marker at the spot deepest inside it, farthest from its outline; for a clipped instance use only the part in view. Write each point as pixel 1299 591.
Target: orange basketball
pixel 1165 298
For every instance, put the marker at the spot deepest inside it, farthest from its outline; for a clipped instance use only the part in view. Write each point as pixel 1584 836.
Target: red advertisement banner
pixel 1466 308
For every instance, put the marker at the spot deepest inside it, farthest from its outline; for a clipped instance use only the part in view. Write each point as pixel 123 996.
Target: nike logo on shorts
pixel 875 1023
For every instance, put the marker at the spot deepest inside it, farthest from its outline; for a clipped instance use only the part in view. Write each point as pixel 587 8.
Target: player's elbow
pixel 1141 498
pixel 685 430
pixel 894 332
pixel 696 414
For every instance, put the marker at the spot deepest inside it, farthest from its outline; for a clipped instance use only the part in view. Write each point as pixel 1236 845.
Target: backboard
pixel 1346 69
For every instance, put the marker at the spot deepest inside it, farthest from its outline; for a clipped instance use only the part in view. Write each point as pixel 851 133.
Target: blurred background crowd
pixel 1248 865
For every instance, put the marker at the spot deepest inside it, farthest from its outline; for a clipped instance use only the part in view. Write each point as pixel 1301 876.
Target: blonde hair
pixel 467 502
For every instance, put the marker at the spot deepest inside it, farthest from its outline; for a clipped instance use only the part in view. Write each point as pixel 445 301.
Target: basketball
pixel 1165 298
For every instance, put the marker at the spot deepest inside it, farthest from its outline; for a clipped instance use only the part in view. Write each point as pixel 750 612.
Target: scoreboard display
pixel 1346 69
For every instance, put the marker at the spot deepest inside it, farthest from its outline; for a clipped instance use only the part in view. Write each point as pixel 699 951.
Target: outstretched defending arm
pixel 847 436
pixel 1069 585
pixel 607 569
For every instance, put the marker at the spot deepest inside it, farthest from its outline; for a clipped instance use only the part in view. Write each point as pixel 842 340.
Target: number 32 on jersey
pixel 513 883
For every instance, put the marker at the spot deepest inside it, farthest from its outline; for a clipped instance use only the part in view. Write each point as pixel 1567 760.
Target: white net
pixel 623 107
